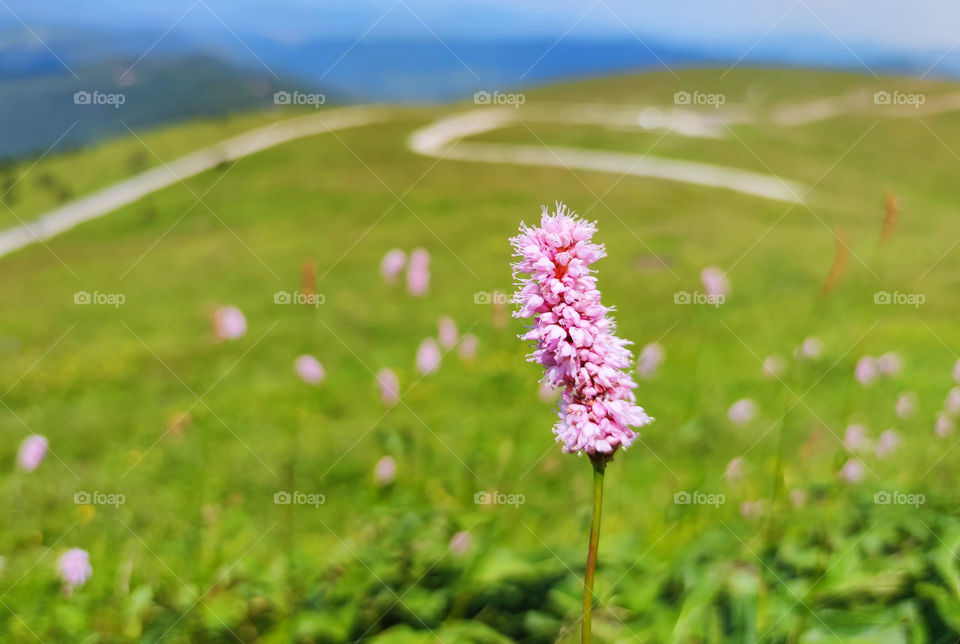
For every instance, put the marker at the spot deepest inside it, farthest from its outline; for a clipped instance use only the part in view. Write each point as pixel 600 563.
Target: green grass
pixel 199 519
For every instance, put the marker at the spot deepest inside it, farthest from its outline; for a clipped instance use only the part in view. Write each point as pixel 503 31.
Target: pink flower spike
pixel 229 323
pixel 944 425
pixel 906 404
pixel 309 369
pixel 809 349
pixel 888 442
pixel 418 272
pixel 715 281
pixel 468 347
pixel 428 357
pixel 742 412
pixel 651 357
pixel 389 386
pixel 391 265
pixel 855 438
pixel 852 471
pixel 866 370
pixel 890 364
pixel 461 543
pixel 33 449
pixel 385 470
pixel 447 332
pixel 74 568
pixel 573 335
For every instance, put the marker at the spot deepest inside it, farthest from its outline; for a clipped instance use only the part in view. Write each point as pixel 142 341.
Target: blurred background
pixel 259 378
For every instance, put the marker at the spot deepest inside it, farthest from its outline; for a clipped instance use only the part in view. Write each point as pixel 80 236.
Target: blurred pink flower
pixel 906 404
pixel 393 262
pixel 809 349
pixel 798 497
pixel 773 366
pixel 418 272
pixel 734 470
pixel 752 509
pixel 468 347
pixel 855 438
pixel 715 281
pixel 853 471
pixel 385 470
pixel 866 370
pixel 651 357
pixel 944 425
pixel 461 543
pixel 33 449
pixel 309 369
pixel 742 412
pixel 573 334
pixel 389 386
pixel 74 568
pixel 447 332
pixel 889 364
pixel 952 403
pixel 956 371
pixel 888 442
pixel 229 323
pixel 428 357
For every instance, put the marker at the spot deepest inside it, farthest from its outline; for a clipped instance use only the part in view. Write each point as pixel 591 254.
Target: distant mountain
pixel 37 110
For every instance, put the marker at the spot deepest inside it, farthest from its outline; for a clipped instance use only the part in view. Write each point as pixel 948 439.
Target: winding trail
pixel 127 191
pixel 442 139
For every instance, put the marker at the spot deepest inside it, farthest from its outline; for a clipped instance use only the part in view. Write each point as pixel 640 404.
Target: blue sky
pixel 920 25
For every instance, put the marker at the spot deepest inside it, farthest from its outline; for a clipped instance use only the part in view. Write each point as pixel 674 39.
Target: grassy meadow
pixel 200 551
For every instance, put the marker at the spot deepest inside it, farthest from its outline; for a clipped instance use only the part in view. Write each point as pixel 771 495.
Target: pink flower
pixel 74 568
pixel 852 471
pixel 309 369
pixel 734 471
pixel 389 386
pixel 855 438
pixel 447 332
pixel 809 349
pixel 468 347
pixel 428 357
pixel 573 335
pixel 229 323
pixel 906 404
pixel 461 543
pixel 953 401
pixel 889 364
pixel 33 449
pixel 742 412
pixel 393 262
pixel 752 509
pixel 418 272
pixel 651 357
pixel 888 442
pixel 715 281
pixel 944 426
pixel 866 370
pixel 385 470
pixel 773 366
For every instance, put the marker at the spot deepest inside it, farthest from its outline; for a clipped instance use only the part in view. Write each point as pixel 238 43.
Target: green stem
pixel 598 466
